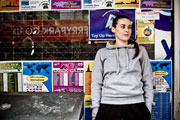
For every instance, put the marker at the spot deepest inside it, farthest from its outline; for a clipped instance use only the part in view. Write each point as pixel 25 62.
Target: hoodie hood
pixel 111 47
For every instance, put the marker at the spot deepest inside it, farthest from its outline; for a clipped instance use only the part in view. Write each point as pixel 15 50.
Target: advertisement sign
pixel 34 5
pixel 68 76
pixel 37 77
pixel 9 5
pixel 88 65
pixel 160 4
pixel 162 84
pixel 145 31
pixel 126 3
pixel 97 4
pixel 101 23
pixel 65 4
pixel 10 77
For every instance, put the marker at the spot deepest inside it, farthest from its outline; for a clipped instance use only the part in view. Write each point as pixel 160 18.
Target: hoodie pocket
pixel 122 86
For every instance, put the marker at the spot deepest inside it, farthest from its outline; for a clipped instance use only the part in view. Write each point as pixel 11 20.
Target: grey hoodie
pixel 119 79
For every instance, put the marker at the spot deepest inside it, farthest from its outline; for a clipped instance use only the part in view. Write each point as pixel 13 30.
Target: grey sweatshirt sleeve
pixel 96 83
pixel 147 79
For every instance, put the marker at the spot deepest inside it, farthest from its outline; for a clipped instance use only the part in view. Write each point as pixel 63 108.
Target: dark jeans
pixel 137 111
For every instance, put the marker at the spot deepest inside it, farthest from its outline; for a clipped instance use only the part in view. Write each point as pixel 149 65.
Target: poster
pixel 68 76
pixel 34 5
pixel 88 65
pixel 65 4
pixel 9 5
pixel 37 77
pixel 10 77
pixel 145 31
pixel 163 42
pixel 160 4
pixel 126 3
pixel 97 4
pixel 101 23
pixel 162 84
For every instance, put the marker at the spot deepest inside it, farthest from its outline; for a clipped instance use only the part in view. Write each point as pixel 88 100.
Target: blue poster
pixel 162 81
pixel 101 23
pixel 162 75
pixel 37 76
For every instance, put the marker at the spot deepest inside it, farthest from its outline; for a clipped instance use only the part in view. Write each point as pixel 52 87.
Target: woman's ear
pixel 113 29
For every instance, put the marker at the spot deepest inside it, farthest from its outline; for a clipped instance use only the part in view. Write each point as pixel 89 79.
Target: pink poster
pixel 68 76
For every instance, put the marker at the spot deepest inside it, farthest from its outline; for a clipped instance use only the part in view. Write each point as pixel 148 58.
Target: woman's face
pixel 122 30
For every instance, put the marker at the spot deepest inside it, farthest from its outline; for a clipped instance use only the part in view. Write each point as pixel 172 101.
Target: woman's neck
pixel 121 43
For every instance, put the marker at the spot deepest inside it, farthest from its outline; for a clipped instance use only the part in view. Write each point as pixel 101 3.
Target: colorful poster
pixel 101 23
pixel 162 73
pixel 152 15
pixel 163 42
pixel 68 76
pixel 145 31
pixel 162 84
pixel 34 5
pixel 161 4
pixel 44 30
pixel 65 4
pixel 88 65
pixel 97 4
pixel 10 77
pixel 37 77
pixel 9 5
pixel 126 3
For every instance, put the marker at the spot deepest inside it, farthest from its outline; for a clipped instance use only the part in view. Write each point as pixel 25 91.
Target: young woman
pixel 122 86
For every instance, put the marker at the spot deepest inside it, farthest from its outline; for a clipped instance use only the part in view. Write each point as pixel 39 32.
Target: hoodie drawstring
pixel 118 59
pixel 127 58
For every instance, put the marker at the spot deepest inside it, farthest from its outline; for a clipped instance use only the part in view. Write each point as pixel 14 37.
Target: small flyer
pixel 65 4
pixel 126 4
pixel 98 4
pixel 152 15
pixel 9 5
pixel 68 76
pixel 37 77
pixel 34 5
pixel 159 4
pixel 145 31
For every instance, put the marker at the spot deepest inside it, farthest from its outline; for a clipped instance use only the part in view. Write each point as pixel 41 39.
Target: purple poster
pixel 101 23
pixel 68 76
pixel 161 4
pixel 65 4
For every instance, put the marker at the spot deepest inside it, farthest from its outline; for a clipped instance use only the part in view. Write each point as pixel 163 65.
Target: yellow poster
pixel 145 31
pixel 9 5
pixel 88 65
pixel 126 3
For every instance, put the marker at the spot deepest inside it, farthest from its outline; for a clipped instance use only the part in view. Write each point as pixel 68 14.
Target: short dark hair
pixel 117 18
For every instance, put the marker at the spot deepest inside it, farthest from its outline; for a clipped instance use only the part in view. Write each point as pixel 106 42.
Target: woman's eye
pixel 123 26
